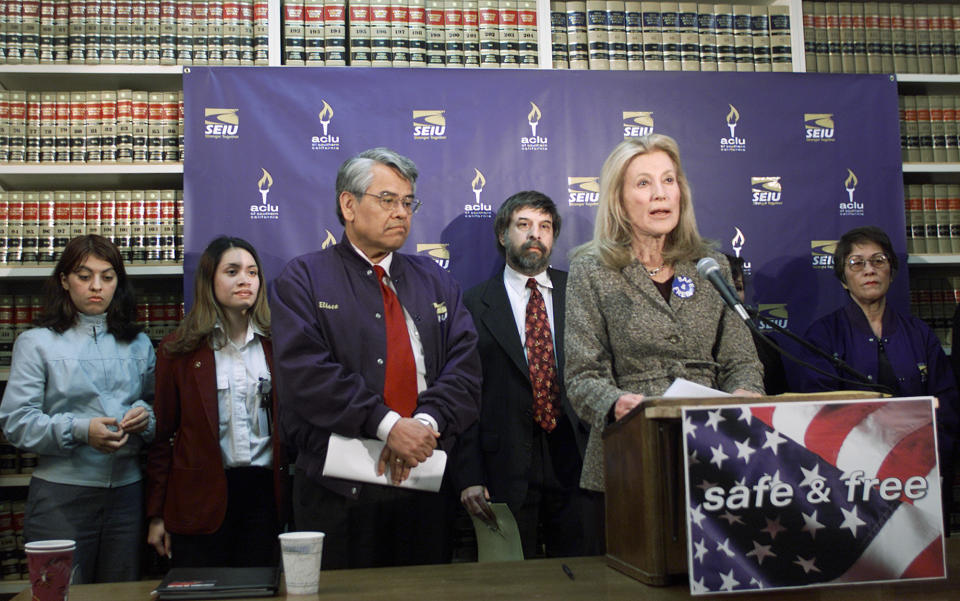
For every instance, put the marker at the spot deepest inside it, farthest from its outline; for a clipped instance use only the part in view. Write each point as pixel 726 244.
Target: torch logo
pixel 326 141
pixel 733 143
pixel 534 142
pixel 737 243
pixel 851 207
pixel 478 208
pixel 264 210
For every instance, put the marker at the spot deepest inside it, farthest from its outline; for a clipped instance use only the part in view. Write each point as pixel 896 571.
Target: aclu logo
pixel 583 191
pixel 438 252
pixel 478 208
pixel 737 243
pixel 221 124
pixel 429 125
pixel 533 141
pixel 637 123
pixel 821 252
pixel 264 210
pixel 775 312
pixel 851 208
pixel 766 191
pixel 326 141
pixel 733 143
pixel 818 127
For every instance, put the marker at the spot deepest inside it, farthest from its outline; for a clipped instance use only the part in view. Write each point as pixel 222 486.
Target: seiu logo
pixel 221 130
pixel 766 196
pixel 636 132
pixel 429 130
pixel 221 123
pixel 775 312
pixel 819 134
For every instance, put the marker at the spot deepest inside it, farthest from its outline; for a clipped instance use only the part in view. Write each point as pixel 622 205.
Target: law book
pixel 436 36
pixel 261 33
pixel 652 37
pixel 48 127
pixel 170 127
pixel 558 35
pixel 3 259
pixel 633 24
pixel 13 40
pixel 168 32
pixel 953 194
pixel 45 37
pixel 91 35
pixel 928 212
pixel 139 112
pixel 845 32
pixel 400 31
pixel 232 24
pixel 335 32
pixel 61 221
pixel 922 28
pixel 179 233
pixel 180 128
pixel 489 33
pixel 781 45
pixel 809 37
pixel 689 36
pixel 138 226
pixel 453 33
pixel 670 30
pixel 935 23
pixel 942 210
pixel 246 32
pixel 46 216
pixel 32 130
pixel 122 225
pixel 4 126
pixel 951 128
pixel 201 30
pixel 91 128
pixel 313 35
pixel 910 38
pixel 509 33
pixel 707 32
pixel 154 127
pixel 834 50
pixel 91 209
pixel 760 28
pixel 743 37
pixel 924 129
pixel 62 127
pixel 822 42
pixel 899 37
pixel 17 133
pixel 938 134
pixel 911 129
pixel 527 33
pixel 108 32
pixel 886 39
pixel 956 35
pixel 471 34
pixel 31 227
pixel 578 48
pixel 108 125
pixel 107 214
pixel 168 226
pixel 726 48
pixel 949 34
pixel 151 31
pixel 138 32
pixel 598 35
pixel 124 134
pixel 78 213
pixel 381 40
pixel 30 34
pixel 77 32
pixel 183 38
pixel 417 32
pixel 151 226
pixel 61 33
pixel 14 226
pixel 215 32
pixel 294 32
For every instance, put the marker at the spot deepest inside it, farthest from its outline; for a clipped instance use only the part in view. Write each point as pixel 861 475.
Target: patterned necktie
pixel 400 381
pixel 541 361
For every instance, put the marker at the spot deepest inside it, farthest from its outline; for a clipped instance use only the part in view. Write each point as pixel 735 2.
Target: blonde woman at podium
pixel 638 313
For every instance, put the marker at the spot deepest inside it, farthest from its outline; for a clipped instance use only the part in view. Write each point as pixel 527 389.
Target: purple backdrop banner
pixel 780 164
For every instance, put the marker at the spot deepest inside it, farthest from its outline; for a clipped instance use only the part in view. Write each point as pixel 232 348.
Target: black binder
pixel 219 583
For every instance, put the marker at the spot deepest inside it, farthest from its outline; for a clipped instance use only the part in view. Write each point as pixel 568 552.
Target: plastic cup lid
pixel 50 545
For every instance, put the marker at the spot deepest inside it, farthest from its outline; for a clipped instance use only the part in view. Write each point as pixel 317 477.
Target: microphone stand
pixel 837 362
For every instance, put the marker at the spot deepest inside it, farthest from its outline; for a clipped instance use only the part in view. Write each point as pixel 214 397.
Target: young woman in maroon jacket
pixel 217 473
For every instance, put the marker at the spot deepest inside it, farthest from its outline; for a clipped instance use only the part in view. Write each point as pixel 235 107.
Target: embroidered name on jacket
pixel 323 305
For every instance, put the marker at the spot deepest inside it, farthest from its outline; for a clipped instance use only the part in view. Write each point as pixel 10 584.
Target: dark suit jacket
pixel 497 450
pixel 186 480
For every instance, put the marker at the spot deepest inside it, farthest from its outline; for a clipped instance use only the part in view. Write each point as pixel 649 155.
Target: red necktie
pixel 541 361
pixel 400 381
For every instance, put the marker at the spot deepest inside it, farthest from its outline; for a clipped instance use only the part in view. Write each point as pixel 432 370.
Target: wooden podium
pixel 645 494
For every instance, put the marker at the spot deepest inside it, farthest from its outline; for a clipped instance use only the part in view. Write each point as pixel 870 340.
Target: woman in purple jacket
pixel 893 349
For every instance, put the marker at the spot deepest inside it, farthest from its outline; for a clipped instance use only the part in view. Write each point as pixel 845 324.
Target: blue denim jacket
pixel 58 382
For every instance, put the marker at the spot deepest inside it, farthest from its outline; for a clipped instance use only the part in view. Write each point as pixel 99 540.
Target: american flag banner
pixel 801 494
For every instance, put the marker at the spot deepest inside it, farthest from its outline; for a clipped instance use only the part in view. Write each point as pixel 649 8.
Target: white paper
pixel 685 389
pixel 356 459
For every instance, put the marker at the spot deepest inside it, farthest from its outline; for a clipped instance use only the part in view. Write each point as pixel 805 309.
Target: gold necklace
pixel 653 272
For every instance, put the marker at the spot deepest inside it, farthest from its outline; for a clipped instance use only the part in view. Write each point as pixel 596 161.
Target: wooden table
pixel 538 579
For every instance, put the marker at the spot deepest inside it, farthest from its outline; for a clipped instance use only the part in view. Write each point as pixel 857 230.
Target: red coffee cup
pixel 51 565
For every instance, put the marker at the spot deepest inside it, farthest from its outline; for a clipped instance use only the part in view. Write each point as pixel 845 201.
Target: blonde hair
pixel 612 230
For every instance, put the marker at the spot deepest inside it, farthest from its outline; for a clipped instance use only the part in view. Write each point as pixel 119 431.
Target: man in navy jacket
pixel 330 342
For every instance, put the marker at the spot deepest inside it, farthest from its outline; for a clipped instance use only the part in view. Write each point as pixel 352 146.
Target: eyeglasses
pixel 878 261
pixel 389 201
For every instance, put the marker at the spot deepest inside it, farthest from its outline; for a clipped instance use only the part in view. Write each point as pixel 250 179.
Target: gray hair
pixel 356 173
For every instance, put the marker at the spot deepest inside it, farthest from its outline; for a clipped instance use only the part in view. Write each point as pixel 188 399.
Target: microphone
pixel 709 269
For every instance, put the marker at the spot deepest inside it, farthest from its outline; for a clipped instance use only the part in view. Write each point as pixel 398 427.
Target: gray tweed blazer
pixel 622 337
